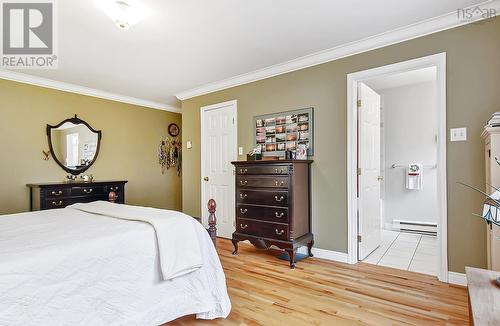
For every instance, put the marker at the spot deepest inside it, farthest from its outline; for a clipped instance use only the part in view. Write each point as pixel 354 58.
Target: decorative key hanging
pixel 169 154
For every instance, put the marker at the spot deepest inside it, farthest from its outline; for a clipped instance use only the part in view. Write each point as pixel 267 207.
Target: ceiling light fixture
pixel 124 13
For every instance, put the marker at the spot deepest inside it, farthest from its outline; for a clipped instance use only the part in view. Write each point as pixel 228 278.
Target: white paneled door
pixel 218 144
pixel 369 176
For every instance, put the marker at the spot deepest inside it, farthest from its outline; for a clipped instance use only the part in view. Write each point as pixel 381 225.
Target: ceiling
pixel 188 43
pixel 403 79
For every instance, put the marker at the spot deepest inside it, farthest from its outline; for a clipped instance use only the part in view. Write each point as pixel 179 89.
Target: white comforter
pixel 178 245
pixel 68 267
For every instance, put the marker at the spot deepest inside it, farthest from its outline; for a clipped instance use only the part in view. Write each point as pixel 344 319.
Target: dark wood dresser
pixel 273 205
pixel 59 195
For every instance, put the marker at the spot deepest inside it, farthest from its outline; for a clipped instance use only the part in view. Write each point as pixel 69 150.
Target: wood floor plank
pixel 264 291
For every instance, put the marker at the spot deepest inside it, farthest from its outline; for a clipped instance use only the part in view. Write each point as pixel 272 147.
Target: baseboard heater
pixel 428 228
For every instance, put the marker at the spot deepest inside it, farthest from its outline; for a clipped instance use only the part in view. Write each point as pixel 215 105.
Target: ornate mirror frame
pixel 75 121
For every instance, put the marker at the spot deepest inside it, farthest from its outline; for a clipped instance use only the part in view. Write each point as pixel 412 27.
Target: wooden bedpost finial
pixel 212 205
pixel 212 220
pixel 112 197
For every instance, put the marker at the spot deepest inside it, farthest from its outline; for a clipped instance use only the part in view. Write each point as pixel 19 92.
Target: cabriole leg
pixel 235 244
pixel 292 253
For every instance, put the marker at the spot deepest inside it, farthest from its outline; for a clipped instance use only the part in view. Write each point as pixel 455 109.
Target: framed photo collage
pixel 279 132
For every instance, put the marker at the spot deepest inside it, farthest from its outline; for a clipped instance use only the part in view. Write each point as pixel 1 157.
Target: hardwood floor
pixel 264 291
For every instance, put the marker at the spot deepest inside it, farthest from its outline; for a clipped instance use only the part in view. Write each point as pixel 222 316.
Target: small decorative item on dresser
pixel 301 153
pixel 71 178
pixel 87 178
pixel 273 205
pixel 255 154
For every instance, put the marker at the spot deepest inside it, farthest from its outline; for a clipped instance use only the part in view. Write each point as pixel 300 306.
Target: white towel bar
pixel 394 166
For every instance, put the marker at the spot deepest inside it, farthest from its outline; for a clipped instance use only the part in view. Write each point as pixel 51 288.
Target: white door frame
pixel 234 156
pixel 438 61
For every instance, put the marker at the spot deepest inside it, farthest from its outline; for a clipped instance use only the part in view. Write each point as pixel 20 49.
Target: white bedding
pixel 68 267
pixel 171 227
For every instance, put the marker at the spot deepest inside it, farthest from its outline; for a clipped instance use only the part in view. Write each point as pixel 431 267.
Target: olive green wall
pixel 130 137
pixel 473 93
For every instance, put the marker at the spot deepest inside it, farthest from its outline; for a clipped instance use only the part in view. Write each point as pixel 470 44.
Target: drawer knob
pixel 279 232
pixel 243 196
pixel 279 215
pixel 56 193
pixel 243 227
pixel 88 191
pixel 57 203
pixel 279 170
pixel 243 171
pixel 280 198
pixel 243 182
pixel 243 211
pixel 113 188
pixel 279 183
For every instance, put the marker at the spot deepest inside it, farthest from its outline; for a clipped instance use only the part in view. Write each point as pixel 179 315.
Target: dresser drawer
pixel 87 191
pixel 264 182
pixel 263 229
pixel 265 213
pixel 262 169
pixel 56 193
pixel 57 203
pixel 262 197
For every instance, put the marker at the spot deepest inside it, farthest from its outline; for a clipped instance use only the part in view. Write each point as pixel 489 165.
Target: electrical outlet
pixel 458 134
pixel 240 150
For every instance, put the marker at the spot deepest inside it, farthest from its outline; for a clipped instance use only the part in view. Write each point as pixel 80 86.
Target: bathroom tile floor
pixel 408 251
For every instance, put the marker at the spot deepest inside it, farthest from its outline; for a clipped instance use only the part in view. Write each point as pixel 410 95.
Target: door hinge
pixel 359 171
pixel 234 223
pixel 359 238
pixel 233 120
pixel 359 103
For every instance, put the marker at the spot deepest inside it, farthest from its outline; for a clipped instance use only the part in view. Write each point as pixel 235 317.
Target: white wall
pixel 409 133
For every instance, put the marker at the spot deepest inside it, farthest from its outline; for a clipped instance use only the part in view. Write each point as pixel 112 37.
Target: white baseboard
pixel 326 254
pixel 341 257
pixel 457 278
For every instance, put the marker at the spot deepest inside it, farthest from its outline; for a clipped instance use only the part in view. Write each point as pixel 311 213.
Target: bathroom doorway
pixel 399 145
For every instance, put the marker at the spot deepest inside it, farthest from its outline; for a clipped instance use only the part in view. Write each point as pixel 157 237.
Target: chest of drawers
pixel 273 205
pixel 59 195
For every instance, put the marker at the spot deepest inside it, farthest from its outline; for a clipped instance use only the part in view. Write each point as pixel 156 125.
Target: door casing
pixel 438 61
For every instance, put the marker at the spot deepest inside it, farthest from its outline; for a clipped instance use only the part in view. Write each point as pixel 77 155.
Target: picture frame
pixel 278 132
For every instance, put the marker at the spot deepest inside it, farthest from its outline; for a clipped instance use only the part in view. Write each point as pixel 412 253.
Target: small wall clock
pixel 173 130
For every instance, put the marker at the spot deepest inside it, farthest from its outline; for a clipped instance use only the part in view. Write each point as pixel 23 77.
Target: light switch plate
pixel 240 150
pixel 458 134
pixel 189 144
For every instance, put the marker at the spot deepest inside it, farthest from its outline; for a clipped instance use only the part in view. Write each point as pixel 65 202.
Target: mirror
pixel 74 144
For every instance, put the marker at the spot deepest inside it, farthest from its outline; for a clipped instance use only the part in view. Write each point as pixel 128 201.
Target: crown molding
pixel 426 27
pixel 72 88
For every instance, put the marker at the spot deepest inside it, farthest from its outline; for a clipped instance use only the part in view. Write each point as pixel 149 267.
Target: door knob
pixel 205 178
pixel 380 178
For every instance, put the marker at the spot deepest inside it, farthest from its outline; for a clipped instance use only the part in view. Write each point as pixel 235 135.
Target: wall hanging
pixel 170 154
pixel 285 131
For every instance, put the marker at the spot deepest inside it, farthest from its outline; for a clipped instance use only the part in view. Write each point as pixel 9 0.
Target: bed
pixel 86 266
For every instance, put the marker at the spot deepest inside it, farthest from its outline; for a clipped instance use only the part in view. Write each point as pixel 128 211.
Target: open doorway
pixel 397 208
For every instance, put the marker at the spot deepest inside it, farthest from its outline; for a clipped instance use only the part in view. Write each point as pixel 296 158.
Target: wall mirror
pixel 74 144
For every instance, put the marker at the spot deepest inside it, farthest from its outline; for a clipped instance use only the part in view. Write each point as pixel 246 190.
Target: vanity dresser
pixel 273 205
pixel 59 195
pixel 74 145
